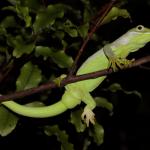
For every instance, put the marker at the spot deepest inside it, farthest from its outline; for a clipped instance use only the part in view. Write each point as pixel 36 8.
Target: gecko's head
pixel 139 36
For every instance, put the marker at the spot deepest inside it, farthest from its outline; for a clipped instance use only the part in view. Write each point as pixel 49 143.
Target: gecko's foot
pixel 120 63
pixel 59 79
pixel 88 116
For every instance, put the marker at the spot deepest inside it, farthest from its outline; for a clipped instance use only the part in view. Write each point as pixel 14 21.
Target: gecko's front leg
pixel 116 62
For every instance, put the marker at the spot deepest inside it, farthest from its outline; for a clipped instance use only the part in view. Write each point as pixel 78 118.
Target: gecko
pixel 113 54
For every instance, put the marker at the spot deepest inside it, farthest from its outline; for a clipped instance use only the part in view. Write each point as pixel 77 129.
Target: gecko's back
pixel 98 61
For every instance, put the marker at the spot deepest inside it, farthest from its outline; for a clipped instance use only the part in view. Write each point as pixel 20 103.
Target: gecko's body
pixel 131 41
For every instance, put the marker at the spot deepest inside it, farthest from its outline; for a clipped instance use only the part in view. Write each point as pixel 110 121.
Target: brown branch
pixel 89 36
pixel 66 81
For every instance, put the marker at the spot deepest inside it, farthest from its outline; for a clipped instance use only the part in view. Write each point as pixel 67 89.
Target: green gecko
pixel 113 54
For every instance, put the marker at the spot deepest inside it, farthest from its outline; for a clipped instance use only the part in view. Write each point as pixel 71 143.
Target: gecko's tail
pixel 67 102
pixel 36 112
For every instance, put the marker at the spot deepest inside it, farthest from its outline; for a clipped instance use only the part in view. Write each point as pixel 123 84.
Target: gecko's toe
pixel 88 116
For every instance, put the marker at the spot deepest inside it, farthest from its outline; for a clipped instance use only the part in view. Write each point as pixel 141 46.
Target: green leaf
pixel 87 11
pixel 103 102
pixel 9 21
pixel 8 121
pixel 62 136
pixel 33 4
pixel 30 76
pixel 72 32
pixel 47 16
pixel 114 13
pixel 23 12
pixel 70 28
pixel 83 30
pixel 3 31
pixel 2 58
pixel 97 133
pixel 59 34
pixel 117 87
pixel 3 49
pixel 20 46
pixel 86 15
pixel 76 120
pixel 11 8
pixel 43 51
pixel 14 2
pixel 86 144
pixel 60 58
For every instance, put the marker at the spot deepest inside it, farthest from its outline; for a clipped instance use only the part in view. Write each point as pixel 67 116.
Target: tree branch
pixel 98 22
pixel 66 81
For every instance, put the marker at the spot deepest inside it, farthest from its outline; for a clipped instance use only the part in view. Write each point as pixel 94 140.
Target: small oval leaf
pixel 8 121
pixel 97 133
pixel 62 59
pixel 76 120
pixel 62 136
pixel 103 102
pixel 46 17
pixel 29 77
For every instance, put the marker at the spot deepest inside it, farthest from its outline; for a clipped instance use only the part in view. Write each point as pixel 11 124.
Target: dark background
pixel 128 128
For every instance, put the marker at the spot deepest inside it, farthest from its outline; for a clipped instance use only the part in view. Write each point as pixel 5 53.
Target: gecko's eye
pixel 140 28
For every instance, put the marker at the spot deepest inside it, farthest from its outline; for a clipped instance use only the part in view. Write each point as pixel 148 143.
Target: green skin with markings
pixel 113 54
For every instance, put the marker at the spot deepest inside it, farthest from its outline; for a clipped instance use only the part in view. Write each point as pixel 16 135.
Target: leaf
pixel 3 49
pixel 86 15
pixel 116 87
pixel 58 34
pixel 9 21
pixel 20 46
pixel 60 58
pixel 46 17
pixel 23 12
pixel 114 13
pixel 11 8
pixel 72 32
pixel 97 133
pixel 62 136
pixel 2 58
pixel 87 11
pixel 86 144
pixel 103 102
pixel 29 77
pixel 2 31
pixel 8 121
pixel 76 120
pixel 14 2
pixel 70 28
pixel 83 30
pixel 33 4
pixel 43 51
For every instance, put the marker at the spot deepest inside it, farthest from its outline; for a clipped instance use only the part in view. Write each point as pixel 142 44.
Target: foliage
pixel 8 121
pixel 43 38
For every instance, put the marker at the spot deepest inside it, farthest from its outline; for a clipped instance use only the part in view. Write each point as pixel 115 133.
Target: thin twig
pixel 66 81
pixel 89 36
